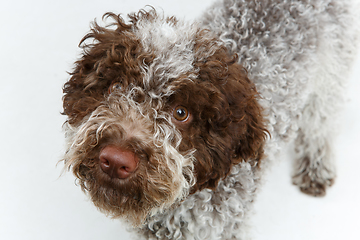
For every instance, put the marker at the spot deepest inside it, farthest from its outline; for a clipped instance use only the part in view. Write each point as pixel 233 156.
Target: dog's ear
pixel 248 124
pixel 229 127
pixel 240 110
pixel 110 54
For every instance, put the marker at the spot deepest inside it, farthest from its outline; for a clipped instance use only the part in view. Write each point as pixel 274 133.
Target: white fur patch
pixel 173 45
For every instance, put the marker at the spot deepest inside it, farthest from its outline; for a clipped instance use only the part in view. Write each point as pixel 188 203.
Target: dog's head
pixel 157 109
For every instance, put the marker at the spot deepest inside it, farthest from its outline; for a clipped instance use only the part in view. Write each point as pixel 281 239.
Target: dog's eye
pixel 114 86
pixel 180 113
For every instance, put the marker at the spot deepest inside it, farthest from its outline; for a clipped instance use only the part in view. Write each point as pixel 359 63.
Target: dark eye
pixel 180 113
pixel 114 86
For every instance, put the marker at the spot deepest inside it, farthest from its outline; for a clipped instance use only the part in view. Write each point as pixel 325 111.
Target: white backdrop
pixel 38 44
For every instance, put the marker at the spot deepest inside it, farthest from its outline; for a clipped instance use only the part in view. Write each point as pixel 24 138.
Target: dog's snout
pixel 117 162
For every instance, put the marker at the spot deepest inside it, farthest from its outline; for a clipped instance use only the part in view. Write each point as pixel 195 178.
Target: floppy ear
pixel 110 54
pixel 248 123
pixel 229 127
pixel 240 111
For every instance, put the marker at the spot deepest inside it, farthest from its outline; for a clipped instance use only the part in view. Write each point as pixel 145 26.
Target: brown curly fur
pixel 225 128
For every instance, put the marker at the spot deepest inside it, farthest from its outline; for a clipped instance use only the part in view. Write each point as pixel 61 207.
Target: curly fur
pixel 249 70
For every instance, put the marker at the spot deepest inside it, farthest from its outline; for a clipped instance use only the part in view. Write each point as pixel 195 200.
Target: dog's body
pixel 168 131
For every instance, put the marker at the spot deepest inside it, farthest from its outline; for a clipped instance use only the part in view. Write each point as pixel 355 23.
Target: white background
pixel 38 44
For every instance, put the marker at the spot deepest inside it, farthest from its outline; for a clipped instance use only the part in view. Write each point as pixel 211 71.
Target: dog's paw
pixel 313 187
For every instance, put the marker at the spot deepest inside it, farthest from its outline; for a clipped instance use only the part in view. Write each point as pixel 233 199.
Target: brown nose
pixel 117 162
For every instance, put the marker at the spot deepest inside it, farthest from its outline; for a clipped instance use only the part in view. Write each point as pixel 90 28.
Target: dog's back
pixel 290 49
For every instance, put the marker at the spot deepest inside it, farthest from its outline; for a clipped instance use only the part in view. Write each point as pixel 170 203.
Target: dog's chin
pixel 133 199
pixel 125 202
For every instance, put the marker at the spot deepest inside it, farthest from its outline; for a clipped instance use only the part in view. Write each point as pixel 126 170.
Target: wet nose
pixel 117 162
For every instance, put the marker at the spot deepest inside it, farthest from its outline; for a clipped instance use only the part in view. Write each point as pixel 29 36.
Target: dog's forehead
pixel 167 38
pixel 172 43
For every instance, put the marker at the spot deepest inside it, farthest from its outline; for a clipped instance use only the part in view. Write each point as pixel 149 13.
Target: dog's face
pixel 157 110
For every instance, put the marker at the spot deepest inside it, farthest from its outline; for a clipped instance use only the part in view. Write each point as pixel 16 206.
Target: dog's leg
pixel 331 63
pixel 314 168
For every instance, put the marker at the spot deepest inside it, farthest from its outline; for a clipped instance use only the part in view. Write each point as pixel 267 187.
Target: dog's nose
pixel 117 162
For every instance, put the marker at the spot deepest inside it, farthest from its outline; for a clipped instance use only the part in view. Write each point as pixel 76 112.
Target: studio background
pixel 38 45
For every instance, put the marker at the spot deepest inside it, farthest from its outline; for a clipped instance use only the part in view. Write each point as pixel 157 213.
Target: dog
pixel 172 124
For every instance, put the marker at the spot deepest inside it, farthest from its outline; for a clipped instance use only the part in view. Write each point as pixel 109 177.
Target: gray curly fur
pixel 298 53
